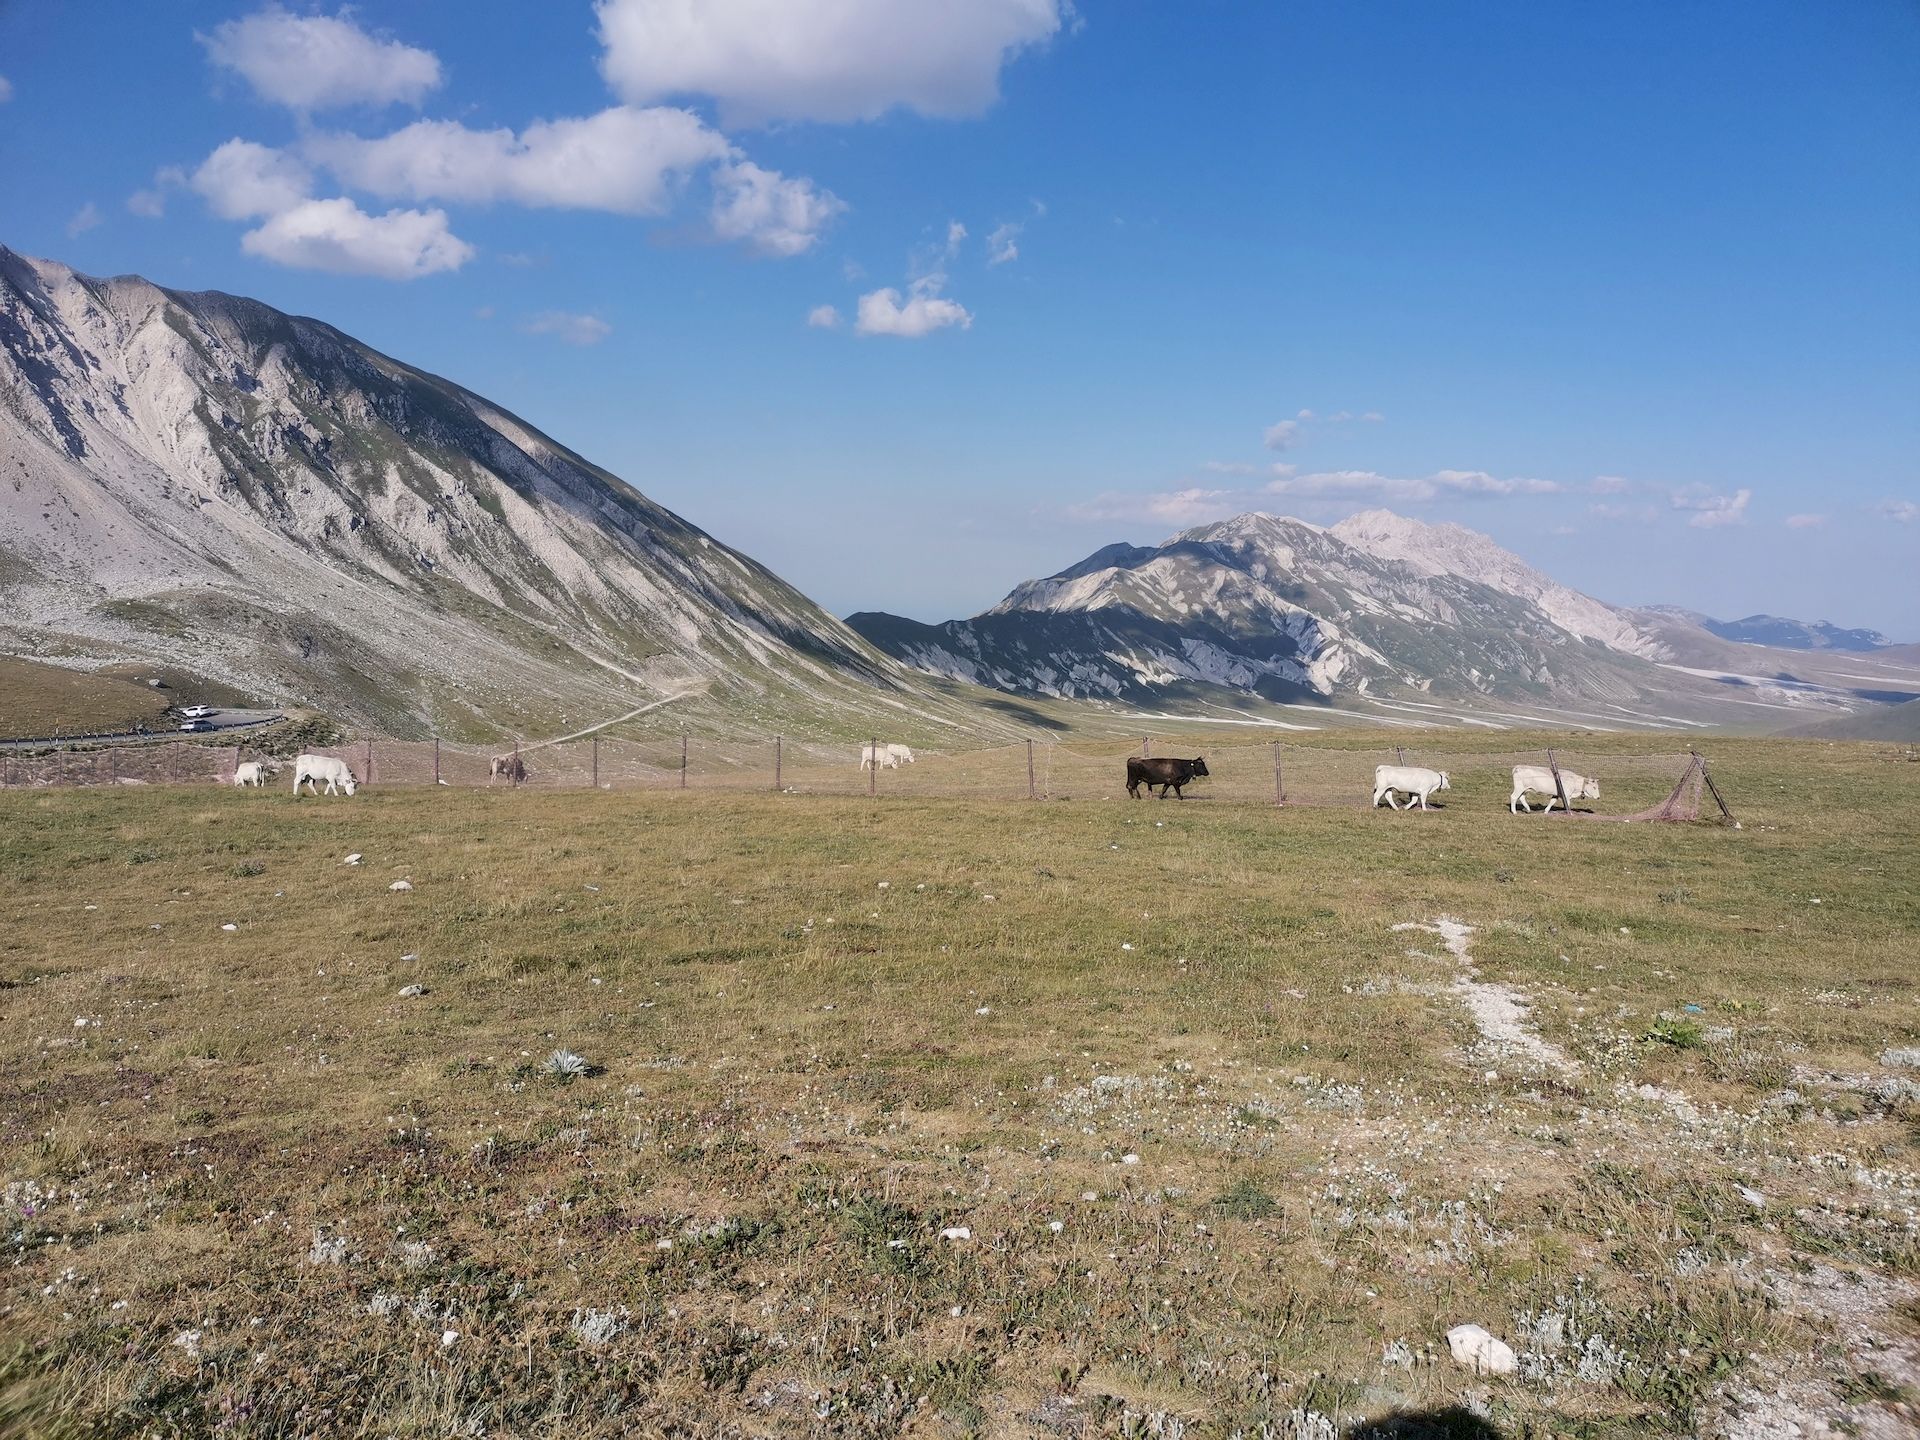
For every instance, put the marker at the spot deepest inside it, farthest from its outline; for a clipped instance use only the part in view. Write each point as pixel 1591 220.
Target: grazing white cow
pixel 1415 781
pixel 1538 780
pixel 310 770
pixel 888 757
pixel 253 773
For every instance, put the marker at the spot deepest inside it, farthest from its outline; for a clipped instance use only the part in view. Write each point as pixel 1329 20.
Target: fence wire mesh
pixel 1631 786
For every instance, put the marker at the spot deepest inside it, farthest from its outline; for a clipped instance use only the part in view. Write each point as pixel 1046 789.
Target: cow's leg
pixel 1550 801
pixel 1178 793
pixel 1517 802
pixel 1423 800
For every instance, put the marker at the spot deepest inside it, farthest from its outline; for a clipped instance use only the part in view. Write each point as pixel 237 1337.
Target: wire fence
pixel 1639 786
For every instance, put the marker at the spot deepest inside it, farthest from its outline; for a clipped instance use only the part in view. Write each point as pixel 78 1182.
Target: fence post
pixel 369 779
pixel 776 764
pixel 1279 785
pixel 873 766
pixel 1032 793
pixel 1399 754
pixel 596 762
pixel 683 759
pixel 1559 785
pixel 517 767
pixel 1706 777
pixel 436 759
pixel 1146 747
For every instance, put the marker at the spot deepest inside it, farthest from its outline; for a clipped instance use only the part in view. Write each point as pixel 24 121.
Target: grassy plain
pixel 1230 1153
pixel 42 700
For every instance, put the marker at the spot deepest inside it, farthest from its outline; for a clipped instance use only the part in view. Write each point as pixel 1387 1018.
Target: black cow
pixel 1167 774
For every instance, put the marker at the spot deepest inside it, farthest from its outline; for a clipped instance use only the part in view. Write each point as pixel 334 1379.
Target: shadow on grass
pixel 1455 1422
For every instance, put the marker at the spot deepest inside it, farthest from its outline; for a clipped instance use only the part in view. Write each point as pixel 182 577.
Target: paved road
pixel 164 728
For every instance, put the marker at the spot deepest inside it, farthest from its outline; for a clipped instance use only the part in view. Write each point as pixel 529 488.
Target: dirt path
pixel 1499 1011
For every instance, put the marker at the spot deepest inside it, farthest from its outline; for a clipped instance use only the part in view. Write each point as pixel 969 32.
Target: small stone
pixel 1129 1159
pixel 1475 1347
pixel 408 992
pixel 956 1232
pixel 353 859
pixel 401 885
pixel 230 928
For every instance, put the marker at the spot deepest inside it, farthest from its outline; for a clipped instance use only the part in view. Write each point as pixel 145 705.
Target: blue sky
pixel 1633 288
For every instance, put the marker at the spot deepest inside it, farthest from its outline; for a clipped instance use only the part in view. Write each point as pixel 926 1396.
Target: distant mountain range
pixel 1378 614
pixel 267 502
pixel 1781 633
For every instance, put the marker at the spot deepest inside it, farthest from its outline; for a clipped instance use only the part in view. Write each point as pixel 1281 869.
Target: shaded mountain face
pixel 1282 610
pixel 266 501
pixel 1785 634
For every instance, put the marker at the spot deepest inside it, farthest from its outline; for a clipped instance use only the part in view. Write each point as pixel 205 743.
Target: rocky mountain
pixel 1783 634
pixel 1378 614
pixel 268 503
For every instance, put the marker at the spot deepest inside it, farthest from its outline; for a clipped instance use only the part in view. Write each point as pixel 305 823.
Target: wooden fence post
pixel 596 762
pixel 1146 747
pixel 776 764
pixel 517 766
pixel 368 772
pixel 1399 754
pixel 1032 793
pixel 683 759
pixel 1559 785
pixel 436 759
pixel 1279 784
pixel 873 766
pixel 1714 790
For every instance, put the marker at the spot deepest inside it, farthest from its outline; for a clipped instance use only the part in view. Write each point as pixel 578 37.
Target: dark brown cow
pixel 1168 774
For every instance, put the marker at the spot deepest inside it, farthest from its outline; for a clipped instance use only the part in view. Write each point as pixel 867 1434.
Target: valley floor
pixel 938 1117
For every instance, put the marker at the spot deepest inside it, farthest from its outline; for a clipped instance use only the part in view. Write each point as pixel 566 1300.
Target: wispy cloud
pixel 1805 522
pixel 1192 506
pixel 1370 485
pixel 1711 511
pixel 1281 435
pixel 151 203
pixel 567 327
pixel 1905 512
pixel 824 317
pixel 84 219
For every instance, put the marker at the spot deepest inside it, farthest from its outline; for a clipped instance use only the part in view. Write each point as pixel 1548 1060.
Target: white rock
pixel 984 1010
pixel 1056 1226
pixel 401 885
pixel 1752 1196
pixel 1906 1058
pixel 447 1337
pixel 1129 1159
pixel 956 1232
pixel 229 928
pixel 407 992
pixel 1480 1351
pixel 353 859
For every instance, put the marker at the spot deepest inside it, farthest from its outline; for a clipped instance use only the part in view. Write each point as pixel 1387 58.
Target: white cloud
pixel 1304 415
pixel 568 328
pixel 882 312
pixel 824 317
pixel 1903 511
pixel 831 60
pixel 1805 522
pixel 624 160
pixel 1373 417
pixel 339 237
pixel 151 203
pixel 1282 435
pixel 1179 508
pixel 1230 467
pixel 244 181
pixel 84 219
pixel 1710 511
pixel 6 90
pixel 956 237
pixel 772 213
pixel 1610 485
pixel 318 62
pixel 1001 246
pixel 1370 485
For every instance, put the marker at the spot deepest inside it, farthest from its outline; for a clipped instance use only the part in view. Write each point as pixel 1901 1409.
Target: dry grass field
pixel 939 1117
pixel 41 700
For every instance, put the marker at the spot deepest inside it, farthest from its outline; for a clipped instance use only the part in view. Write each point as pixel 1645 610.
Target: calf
pixel 310 770
pixel 1538 780
pixel 1416 782
pixel 252 773
pixel 1168 774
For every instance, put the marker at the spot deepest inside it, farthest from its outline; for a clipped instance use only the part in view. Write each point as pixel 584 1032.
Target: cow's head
pixel 1200 766
pixel 1589 790
pixel 1445 784
pixel 347 784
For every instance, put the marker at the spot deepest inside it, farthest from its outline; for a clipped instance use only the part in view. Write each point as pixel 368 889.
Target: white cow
pixel 1414 780
pixel 310 770
pixel 889 756
pixel 1538 780
pixel 253 773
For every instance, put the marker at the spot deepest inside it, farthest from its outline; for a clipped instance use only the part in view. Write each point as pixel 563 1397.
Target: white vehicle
pixel 197 712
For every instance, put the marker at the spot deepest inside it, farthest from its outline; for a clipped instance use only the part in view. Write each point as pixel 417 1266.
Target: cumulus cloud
pixel 1904 512
pixel 824 317
pixel 924 310
pixel 320 62
pixel 1370 485
pixel 771 212
pixel 568 328
pixel 84 219
pixel 1179 508
pixel 1805 522
pixel 1710 511
pixel 831 60
pixel 151 203
pixel 339 237
pixel 622 159
pixel 244 181
pixel 1282 435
